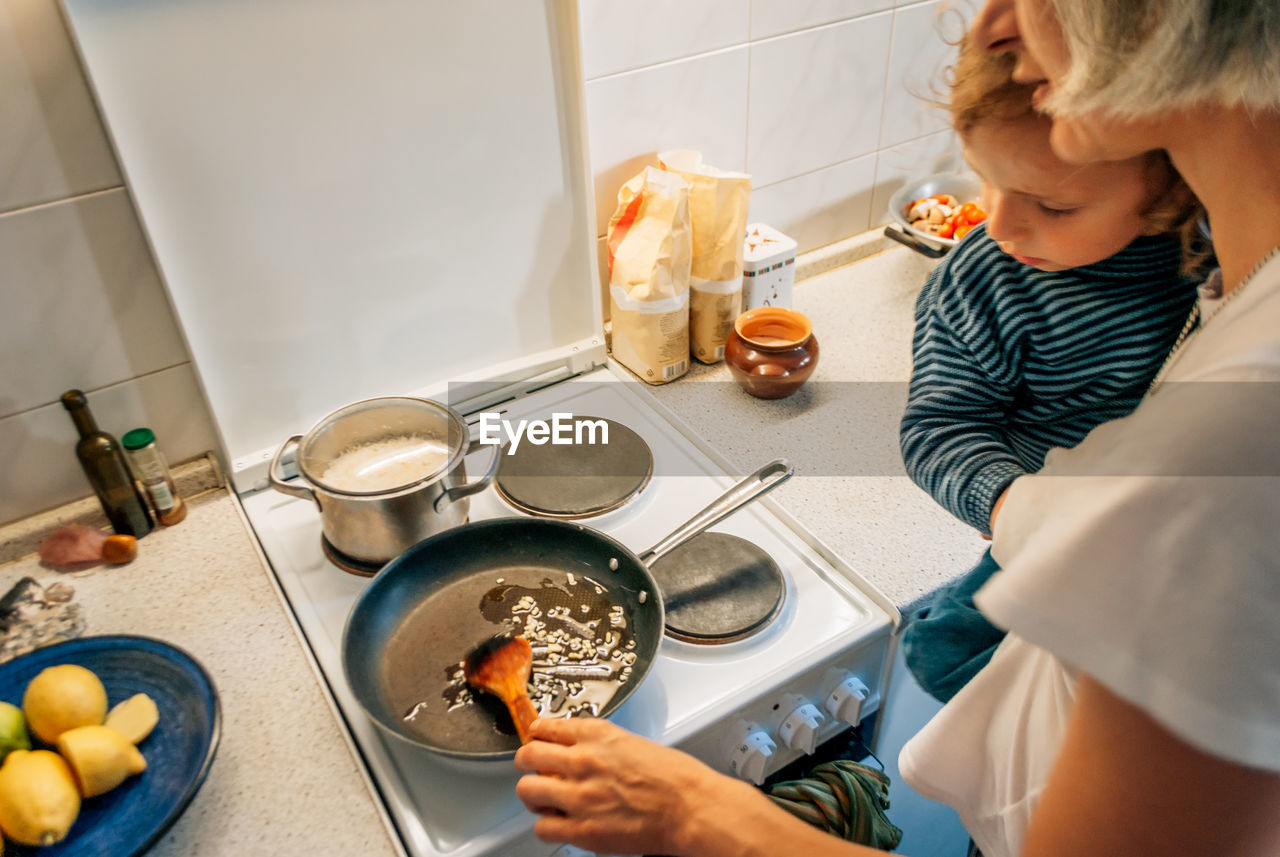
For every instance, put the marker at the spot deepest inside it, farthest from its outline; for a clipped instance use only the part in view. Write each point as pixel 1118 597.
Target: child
pixel 1049 318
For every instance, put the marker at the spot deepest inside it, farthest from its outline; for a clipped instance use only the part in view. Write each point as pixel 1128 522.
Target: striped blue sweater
pixel 1010 361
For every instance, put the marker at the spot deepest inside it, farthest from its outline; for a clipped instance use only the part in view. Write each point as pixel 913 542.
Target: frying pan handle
pixel 275 474
pixel 922 247
pixel 476 487
pixel 763 480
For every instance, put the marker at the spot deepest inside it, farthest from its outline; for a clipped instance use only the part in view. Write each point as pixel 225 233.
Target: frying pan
pixel 411 628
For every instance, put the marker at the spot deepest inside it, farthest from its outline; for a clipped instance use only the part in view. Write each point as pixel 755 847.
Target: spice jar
pixel 152 471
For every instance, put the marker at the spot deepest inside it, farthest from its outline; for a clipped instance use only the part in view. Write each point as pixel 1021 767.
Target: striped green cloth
pixel 843 798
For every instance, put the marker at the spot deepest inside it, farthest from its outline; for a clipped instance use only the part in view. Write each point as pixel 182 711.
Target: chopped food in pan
pixel 583 649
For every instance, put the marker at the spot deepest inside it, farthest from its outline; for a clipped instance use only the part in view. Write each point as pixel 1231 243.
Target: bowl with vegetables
pixel 933 214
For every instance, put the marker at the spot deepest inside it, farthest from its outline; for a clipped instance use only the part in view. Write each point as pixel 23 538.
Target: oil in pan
pixel 582 647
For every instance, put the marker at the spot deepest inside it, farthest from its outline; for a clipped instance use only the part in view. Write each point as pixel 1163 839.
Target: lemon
pixel 100 758
pixel 13 731
pixel 38 797
pixel 63 697
pixel 135 717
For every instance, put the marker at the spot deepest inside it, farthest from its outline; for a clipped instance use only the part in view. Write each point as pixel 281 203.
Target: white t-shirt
pixel 1147 557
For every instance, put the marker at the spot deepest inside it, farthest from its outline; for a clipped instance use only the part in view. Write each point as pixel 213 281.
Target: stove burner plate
pixel 576 480
pixel 718 588
pixel 350 564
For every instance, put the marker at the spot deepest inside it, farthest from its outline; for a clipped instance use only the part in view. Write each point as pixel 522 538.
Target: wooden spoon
pixel 501 666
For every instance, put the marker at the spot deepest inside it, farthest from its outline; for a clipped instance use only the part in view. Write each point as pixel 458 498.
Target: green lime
pixel 13 729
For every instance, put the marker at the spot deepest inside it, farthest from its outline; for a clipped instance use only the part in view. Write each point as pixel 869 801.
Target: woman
pixel 1134 709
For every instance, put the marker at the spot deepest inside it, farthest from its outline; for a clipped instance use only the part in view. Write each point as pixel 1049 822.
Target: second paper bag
pixel 718 203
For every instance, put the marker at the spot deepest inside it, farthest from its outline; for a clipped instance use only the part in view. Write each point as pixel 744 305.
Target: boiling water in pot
pixel 385 464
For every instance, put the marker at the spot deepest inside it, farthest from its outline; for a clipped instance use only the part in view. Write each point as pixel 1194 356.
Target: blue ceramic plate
pixel 131 817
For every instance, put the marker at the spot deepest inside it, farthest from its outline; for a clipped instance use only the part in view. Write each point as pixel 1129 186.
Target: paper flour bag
pixel 650 247
pixel 718 203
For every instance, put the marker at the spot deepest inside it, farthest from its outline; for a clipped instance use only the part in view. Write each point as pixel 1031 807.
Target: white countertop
pixel 284 780
pixel 841 430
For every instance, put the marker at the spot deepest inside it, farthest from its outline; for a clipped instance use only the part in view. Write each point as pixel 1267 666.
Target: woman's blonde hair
pixel 1132 58
pixel 983 91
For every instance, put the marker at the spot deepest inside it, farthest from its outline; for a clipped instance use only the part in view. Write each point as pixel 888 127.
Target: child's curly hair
pixel 983 91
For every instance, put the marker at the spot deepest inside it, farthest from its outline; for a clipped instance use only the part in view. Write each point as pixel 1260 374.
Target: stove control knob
pixel 799 729
pixel 844 702
pixel 750 754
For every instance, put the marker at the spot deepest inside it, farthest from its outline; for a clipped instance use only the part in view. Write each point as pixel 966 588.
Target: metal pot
pixel 385 473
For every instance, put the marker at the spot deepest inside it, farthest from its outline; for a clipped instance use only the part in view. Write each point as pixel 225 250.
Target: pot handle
pixel 275 475
pixel 457 493
pixel 763 480
pixel 924 248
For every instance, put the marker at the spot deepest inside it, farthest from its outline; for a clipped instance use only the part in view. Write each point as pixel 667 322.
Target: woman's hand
pixel 605 789
pixel 602 788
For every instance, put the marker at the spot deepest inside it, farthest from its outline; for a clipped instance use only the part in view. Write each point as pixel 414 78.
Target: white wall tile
pixel 936 153
pixel 38 467
pixel 775 17
pixel 618 35
pixel 923 50
pixel 698 103
pixel 82 302
pixel 965 8
pixel 51 142
pixel 819 207
pixel 816 97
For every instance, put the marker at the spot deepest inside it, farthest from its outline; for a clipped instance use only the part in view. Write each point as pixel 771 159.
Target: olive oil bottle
pixel 105 464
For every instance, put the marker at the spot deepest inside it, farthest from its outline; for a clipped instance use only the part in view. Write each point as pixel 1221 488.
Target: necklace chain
pixel 1190 326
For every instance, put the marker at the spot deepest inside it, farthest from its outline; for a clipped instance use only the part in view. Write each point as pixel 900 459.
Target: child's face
pixel 1047 213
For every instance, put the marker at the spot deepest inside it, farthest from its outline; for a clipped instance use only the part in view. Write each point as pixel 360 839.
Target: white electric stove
pixel 746 707
pixel 388 198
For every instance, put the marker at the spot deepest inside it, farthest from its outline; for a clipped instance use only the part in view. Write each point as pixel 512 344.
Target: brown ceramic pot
pixel 771 351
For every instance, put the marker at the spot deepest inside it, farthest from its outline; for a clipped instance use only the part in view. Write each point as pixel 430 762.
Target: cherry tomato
pixel 971 213
pixel 962 230
pixel 946 229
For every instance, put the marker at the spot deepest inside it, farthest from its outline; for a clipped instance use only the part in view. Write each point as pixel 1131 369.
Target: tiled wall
pixel 81 303
pixel 821 101
pixel 817 99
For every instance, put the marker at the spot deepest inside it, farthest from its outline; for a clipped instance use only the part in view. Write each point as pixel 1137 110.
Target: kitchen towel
pixel 844 798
